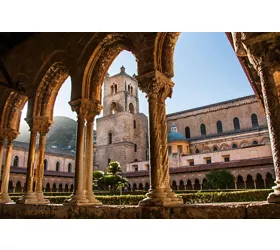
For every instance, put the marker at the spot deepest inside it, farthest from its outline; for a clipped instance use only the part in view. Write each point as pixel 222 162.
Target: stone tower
pixel 121 134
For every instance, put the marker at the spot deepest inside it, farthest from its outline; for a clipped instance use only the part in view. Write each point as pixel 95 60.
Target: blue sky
pixel 206 71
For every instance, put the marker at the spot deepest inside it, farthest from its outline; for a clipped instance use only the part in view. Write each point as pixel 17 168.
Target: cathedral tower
pixel 121 134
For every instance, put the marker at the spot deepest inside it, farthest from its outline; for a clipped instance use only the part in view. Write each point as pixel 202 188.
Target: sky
pixel 206 71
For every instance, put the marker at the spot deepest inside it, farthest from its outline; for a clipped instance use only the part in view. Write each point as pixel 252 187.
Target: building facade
pixel 121 134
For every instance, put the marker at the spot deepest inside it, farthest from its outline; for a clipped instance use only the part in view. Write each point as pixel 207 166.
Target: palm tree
pixel 114 168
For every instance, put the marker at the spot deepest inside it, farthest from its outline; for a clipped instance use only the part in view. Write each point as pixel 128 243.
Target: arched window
pixel 236 123
pixel 203 129
pixel 131 108
pixel 254 119
pixel 110 138
pixel 116 89
pixel 135 147
pixel 215 148
pixel 45 164
pixel 57 166
pixel 187 132
pixel 219 127
pixel 112 90
pixel 255 143
pixel 128 88
pixel 16 161
pixel 197 151
pixel 134 124
pixel 113 108
pixel 234 145
pixel 131 91
pixel 70 167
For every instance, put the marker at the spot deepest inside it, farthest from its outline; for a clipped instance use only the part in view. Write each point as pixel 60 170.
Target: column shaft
pixel 29 196
pixel 1 156
pixel 40 170
pixel 6 174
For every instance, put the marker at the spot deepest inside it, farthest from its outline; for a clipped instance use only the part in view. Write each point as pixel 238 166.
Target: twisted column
pixel 158 87
pixel 4 197
pixel 29 196
pixel 1 155
pixel 81 107
pixel 96 108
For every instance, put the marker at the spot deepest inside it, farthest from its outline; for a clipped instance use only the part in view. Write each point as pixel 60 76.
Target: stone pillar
pixel 1 155
pixel 5 198
pixel 40 169
pixel 80 106
pixel 255 184
pixel 158 87
pixel 95 109
pixel 201 185
pixel 22 190
pixel 264 57
pixel 29 196
pixel 235 184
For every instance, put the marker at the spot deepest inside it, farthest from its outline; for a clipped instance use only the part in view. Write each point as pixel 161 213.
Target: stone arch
pixel 204 182
pixel 265 141
pixel 215 148
pixel 60 188
pixel 234 145
pixel 174 185
pixel 164 50
pixel 189 185
pixel 244 143
pixel 47 90
pixel 240 182
pixel 140 186
pixel 54 188
pixel 196 184
pixel 48 187
pixel 181 185
pixel 249 182
pixel 18 187
pixel 66 188
pixel 224 146
pixel 259 181
pixel 15 161
pixel 206 149
pixel 134 187
pixel 72 188
pixel 254 142
pixel 10 186
pixel 96 59
pixel 269 181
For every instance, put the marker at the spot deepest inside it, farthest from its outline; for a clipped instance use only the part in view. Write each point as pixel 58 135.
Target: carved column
pixel 29 196
pixel 1 154
pixel 95 110
pixel 158 87
pixel 43 127
pixel 5 198
pixel 263 53
pixel 80 106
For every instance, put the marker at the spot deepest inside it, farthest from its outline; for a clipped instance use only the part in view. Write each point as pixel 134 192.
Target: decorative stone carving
pixel 158 87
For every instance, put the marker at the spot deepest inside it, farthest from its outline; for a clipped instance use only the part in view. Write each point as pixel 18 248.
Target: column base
pixel 92 199
pixel 28 198
pixel 5 199
pixel 161 197
pixel 275 196
pixel 41 198
pixel 77 199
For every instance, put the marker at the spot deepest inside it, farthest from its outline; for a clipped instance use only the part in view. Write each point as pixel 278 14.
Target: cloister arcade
pixel 47 59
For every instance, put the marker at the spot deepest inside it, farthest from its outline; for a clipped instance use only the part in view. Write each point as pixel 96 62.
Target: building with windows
pixel 59 168
pixel 229 135
pixel 122 132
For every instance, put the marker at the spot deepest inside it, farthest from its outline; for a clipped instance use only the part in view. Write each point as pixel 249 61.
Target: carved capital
pixel 9 133
pixel 40 124
pixel 156 85
pixel 85 108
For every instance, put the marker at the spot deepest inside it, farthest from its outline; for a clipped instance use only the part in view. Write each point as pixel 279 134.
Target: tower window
pixel 254 119
pixel 131 91
pixel 110 138
pixel 16 160
pixel 187 132
pixel 113 108
pixel 236 123
pixel 70 167
pixel 131 108
pixel 116 89
pixel 135 147
pixel 112 90
pixel 203 129
pixel 57 166
pixel 45 164
pixel 219 127
pixel 134 124
pixel 128 88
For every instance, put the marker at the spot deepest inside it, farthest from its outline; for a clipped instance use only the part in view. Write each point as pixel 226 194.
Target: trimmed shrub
pixel 189 198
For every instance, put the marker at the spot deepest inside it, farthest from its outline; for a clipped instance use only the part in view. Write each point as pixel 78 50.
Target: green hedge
pixel 190 198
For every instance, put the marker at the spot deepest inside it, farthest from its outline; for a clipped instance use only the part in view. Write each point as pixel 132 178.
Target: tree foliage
pixel 219 179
